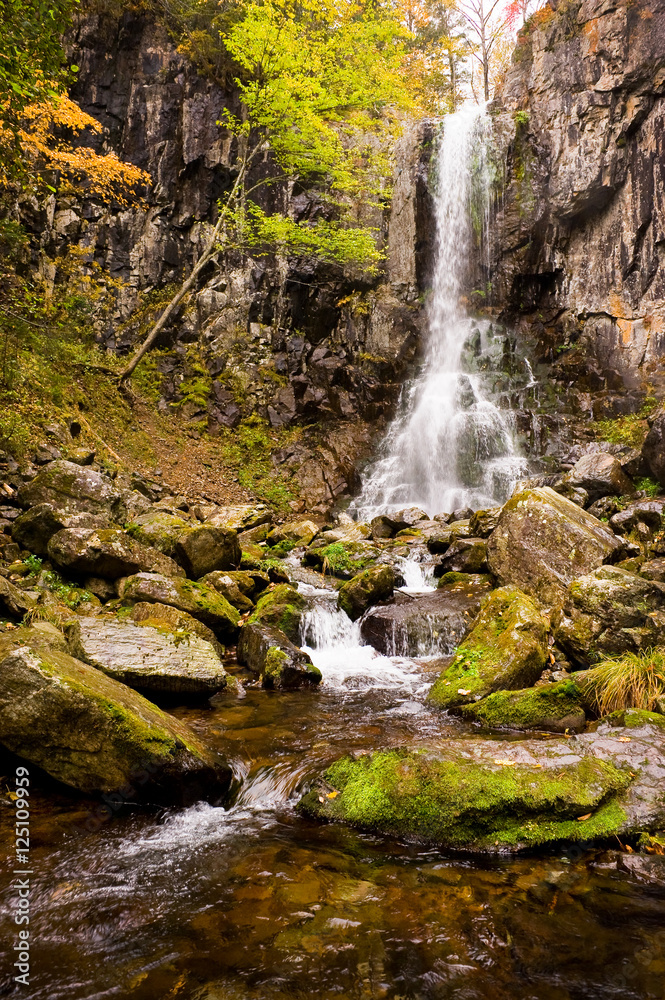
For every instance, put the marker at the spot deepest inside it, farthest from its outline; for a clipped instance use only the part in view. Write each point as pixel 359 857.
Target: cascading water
pixel 450 446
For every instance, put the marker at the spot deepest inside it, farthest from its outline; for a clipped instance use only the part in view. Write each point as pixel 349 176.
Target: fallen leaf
pixel 580 819
pixel 623 739
pixel 506 763
pixel 321 798
pixel 333 795
pixel 463 691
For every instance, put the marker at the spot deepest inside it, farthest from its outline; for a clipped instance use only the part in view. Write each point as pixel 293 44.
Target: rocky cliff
pixel 578 261
pixel 313 350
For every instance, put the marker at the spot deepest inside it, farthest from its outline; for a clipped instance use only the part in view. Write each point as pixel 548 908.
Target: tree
pixel 487 27
pixel 32 63
pixel 320 86
pixel 436 52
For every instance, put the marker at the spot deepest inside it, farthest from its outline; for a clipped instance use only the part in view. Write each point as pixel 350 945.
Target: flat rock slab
pixel 492 796
pixel 423 626
pixel 148 657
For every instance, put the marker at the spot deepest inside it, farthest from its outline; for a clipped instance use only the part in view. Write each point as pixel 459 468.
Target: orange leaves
pixel 47 128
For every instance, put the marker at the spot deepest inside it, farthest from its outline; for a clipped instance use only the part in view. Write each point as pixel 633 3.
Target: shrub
pixel 634 680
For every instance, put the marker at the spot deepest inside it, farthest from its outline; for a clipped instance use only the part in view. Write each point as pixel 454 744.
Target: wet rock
pixel 207 548
pixel 422 626
pixel 611 611
pixel 299 532
pixel 14 603
pixel 555 708
pixel 543 542
pixel 109 554
pixel 493 796
pixel 282 608
pixel 367 588
pixel 147 655
pixel 483 522
pixel 466 555
pixel 409 517
pixel 653 449
pixel 600 475
pixel 97 735
pixel 505 650
pixel 268 651
pixel 196 599
pixel 69 488
pixel 33 529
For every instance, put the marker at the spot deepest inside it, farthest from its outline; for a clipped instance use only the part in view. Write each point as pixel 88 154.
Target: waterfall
pixel 450 446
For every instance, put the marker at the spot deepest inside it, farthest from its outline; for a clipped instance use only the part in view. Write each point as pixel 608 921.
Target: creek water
pixel 252 902
pixel 450 445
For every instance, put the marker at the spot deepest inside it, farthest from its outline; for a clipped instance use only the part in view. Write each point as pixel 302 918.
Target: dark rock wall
pixel 579 238
pixel 301 345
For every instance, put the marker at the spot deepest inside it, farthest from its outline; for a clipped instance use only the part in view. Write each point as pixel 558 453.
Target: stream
pixel 252 902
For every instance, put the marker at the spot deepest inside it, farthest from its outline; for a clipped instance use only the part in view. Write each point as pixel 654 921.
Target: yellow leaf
pixel 506 763
pixel 623 739
pixel 333 795
pixel 580 819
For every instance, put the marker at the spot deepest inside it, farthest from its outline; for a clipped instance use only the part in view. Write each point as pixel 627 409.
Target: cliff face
pixel 309 348
pixel 579 251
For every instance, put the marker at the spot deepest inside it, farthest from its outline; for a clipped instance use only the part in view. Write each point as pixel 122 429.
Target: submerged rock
pixel 422 626
pixel 73 489
pixel 544 541
pixel 268 651
pixel 505 650
pixel 282 608
pixel 553 707
pixel 492 796
pixel 149 655
pixel 195 598
pixel 97 735
pixel 109 554
pixel 611 611
pixel 367 588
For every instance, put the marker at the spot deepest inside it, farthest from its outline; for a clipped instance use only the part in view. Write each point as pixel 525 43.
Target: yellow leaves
pixel 332 795
pixel 504 762
pixel 623 739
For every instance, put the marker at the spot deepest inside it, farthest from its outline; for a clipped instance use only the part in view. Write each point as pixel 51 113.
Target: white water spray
pixel 450 447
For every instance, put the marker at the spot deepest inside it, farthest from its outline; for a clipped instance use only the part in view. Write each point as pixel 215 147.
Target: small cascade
pixel 417 572
pixel 335 645
pixel 450 446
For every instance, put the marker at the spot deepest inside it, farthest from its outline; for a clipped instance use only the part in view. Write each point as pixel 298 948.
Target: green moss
pixel 207 599
pixel 461 580
pixel 282 608
pixel 531 708
pixel 276 660
pixel 470 803
pixel 633 718
pixel 341 559
pixel 504 650
pixel 282 548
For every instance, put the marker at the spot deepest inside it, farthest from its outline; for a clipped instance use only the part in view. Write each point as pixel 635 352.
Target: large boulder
pixel 644 512
pixel 196 599
pixel 173 620
pixel 109 554
pixel 97 735
pixel 653 449
pixel 281 607
pixel 544 541
pixel 611 611
pixel 269 652
pixel 556 708
pixel 250 583
pixel 505 650
pixel 160 529
pixel 73 489
pixel 465 555
pixel 298 532
pixel 492 796
pixel 205 548
pixel 148 656
pixel 367 588
pixel 600 475
pixel 422 626
pixel 34 528
pixel 229 589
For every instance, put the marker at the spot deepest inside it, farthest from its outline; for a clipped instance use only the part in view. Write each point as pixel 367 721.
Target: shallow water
pixel 254 902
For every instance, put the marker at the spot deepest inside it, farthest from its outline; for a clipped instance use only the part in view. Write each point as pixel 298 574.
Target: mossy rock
pixel 343 559
pixel 281 607
pixel 367 588
pixel 635 718
pixel 506 649
pixel 107 553
pixel 196 599
pixel 97 735
pixel 481 797
pixel 462 580
pixel 72 489
pixel 267 651
pixel 555 708
pixel 159 529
